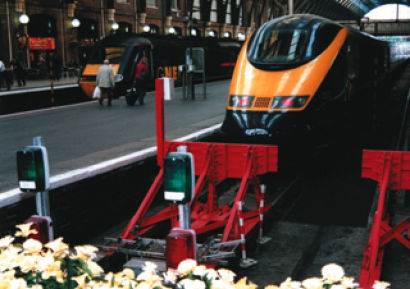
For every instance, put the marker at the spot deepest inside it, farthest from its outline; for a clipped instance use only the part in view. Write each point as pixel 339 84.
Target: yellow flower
pixel 32 246
pixel 289 284
pixel 5 284
pixel 95 269
pixel 127 272
pixel 187 266
pixel 313 283
pixel 85 252
pixel 272 287
pixel 37 286
pixel 380 285
pixel 28 263
pixel 243 284
pixel 332 273
pixel 170 277
pixel 6 241
pixel 148 277
pixel 59 248
pixel 226 275
pixel 219 284
pixel 7 275
pixel 143 285
pixel 25 230
pixel 348 282
pixel 81 281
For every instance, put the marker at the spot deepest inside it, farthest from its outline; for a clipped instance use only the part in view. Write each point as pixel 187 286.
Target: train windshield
pixel 113 54
pixel 286 43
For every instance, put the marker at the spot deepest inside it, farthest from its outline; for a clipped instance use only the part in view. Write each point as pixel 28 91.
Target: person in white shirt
pixel 3 76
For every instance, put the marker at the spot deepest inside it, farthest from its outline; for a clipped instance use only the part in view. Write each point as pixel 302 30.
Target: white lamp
pixel 146 28
pixel 115 26
pixel 227 34
pixel 211 33
pixel 24 19
pixel 171 30
pixel 193 32
pixel 75 22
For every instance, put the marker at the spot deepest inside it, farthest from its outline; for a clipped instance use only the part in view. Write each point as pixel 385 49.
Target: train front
pixel 278 73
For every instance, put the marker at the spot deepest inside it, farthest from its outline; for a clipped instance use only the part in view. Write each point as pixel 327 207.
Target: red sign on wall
pixel 42 43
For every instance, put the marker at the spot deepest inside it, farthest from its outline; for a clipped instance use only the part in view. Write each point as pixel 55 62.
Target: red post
pixel 159 112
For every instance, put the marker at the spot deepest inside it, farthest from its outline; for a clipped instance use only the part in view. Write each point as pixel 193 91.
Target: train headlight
pixel 118 77
pixel 241 101
pixel 286 102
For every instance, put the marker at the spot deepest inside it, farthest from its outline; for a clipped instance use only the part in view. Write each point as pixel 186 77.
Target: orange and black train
pixel 301 72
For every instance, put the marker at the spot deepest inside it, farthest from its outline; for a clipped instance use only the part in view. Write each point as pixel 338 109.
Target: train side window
pixel 323 37
pixel 352 61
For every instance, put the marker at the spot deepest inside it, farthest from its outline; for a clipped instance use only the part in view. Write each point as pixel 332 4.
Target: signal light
pixel 180 245
pixel 32 169
pixel 179 177
pixel 42 226
pixel 287 102
pixel 241 101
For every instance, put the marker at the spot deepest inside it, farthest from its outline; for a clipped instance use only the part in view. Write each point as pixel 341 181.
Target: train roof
pixel 132 39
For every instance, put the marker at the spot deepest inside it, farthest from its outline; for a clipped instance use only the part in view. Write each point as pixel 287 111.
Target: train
pixel 301 75
pixel 165 55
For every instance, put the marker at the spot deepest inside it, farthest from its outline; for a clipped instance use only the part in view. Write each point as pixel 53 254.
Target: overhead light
pixel 115 26
pixel 193 32
pixel 227 34
pixel 24 19
pixel 241 36
pixel 171 30
pixel 146 28
pixel 211 33
pixel 75 22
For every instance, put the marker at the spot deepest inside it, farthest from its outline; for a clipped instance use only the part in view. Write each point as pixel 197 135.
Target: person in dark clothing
pixel 18 72
pixel 141 73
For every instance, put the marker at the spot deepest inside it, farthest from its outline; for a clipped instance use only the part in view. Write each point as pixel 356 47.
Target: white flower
pixel 192 284
pixel 313 283
pixel 199 271
pixel 6 241
pixel 226 275
pixel 289 284
pixel 380 285
pixel 332 273
pixel 32 246
pixel 186 266
pixel 149 266
pixel 211 274
pixel 170 277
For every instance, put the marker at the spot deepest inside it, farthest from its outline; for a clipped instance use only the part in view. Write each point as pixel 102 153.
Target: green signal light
pixel 178 177
pixel 32 169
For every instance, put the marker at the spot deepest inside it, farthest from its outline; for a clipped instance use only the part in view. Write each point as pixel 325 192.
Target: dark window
pixel 290 41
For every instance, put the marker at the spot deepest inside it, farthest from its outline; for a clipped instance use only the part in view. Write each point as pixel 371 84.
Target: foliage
pixel 27 263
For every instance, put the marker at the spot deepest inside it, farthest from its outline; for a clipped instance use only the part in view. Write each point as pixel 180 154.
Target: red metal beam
pixel 392 171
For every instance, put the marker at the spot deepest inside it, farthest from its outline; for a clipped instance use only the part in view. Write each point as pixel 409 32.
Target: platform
pixel 85 134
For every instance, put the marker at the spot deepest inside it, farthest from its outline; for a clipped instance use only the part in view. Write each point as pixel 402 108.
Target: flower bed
pixel 27 263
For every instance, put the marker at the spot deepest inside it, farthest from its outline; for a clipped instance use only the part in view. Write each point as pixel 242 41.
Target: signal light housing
pixel 289 102
pixel 179 177
pixel 241 101
pixel 180 245
pixel 32 169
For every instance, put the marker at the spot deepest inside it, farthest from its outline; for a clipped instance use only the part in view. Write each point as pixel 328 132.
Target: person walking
pixel 18 72
pixel 141 74
pixel 105 81
pixel 4 76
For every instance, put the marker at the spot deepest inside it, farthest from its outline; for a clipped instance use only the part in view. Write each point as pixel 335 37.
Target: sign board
pixel 42 43
pixel 198 59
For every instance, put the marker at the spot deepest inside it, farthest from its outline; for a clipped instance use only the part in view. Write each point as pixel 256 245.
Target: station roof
pixel 342 9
